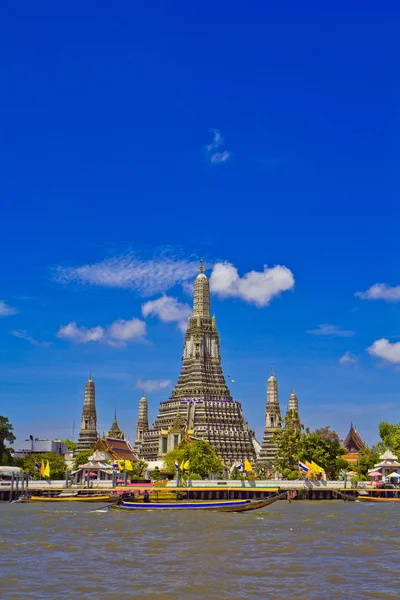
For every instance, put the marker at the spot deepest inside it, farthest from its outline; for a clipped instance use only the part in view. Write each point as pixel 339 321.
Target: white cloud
pixel 254 287
pixel 6 310
pixel 23 335
pixel 152 385
pixel 118 333
pixel 129 272
pixel 348 359
pixel 169 310
pixel 381 291
pixel 384 349
pixel 215 156
pixel 220 157
pixel 334 330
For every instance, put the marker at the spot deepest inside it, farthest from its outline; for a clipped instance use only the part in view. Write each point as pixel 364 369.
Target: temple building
pixel 115 432
pixel 354 446
pixel 273 424
pixel 292 418
pixel 142 423
pixel 88 433
pixel 201 404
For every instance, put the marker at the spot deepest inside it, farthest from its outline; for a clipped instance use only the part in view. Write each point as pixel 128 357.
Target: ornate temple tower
pixel 272 423
pixel 142 423
pixel 292 412
pixel 201 393
pixel 88 433
pixel 115 432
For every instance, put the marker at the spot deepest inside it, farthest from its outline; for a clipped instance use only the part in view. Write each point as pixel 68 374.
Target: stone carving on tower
pixel 292 418
pixel 273 425
pixel 88 433
pixel 142 423
pixel 201 395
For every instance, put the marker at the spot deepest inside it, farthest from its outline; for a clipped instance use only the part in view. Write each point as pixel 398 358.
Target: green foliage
pixel 324 448
pixel 390 436
pixel 291 474
pixel 342 464
pixel 289 442
pixel 156 474
pixel 57 464
pixel 260 471
pixel 6 435
pixel 368 459
pixel 70 444
pixel 195 477
pixel 82 458
pixel 201 456
pixel 236 475
pixel 358 478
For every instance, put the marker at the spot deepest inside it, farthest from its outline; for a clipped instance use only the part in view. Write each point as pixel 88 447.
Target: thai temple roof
pixel 116 448
pixel 353 441
pixel 388 455
pixel 115 431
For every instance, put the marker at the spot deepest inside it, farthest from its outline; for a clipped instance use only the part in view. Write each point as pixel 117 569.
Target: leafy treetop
pixel 202 458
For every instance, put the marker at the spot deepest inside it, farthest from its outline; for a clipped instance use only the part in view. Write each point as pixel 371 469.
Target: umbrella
pixel 93 474
pixel 393 475
pixel 375 474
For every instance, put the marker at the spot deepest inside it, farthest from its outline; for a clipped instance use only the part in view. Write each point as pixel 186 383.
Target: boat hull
pixel 71 499
pixel 215 505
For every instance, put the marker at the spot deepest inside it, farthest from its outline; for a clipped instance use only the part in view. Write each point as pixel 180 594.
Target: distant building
pixel 36 446
pixel 88 433
pixel 354 445
pixel 142 423
pixel 115 431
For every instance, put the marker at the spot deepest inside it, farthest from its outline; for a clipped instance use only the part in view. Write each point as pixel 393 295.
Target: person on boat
pixel 146 497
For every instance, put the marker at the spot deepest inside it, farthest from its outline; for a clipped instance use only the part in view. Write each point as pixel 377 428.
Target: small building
pixel 116 449
pixel 354 445
pixel 387 467
pixel 37 446
pixel 98 468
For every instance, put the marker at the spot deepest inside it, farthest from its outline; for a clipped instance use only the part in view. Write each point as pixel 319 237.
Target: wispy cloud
pixel 386 350
pixel 169 310
pixel 381 291
pixel 23 335
pixel 117 334
pixel 213 154
pixel 334 330
pixel 148 277
pixel 255 287
pixel 6 310
pixel 152 385
pixel 348 359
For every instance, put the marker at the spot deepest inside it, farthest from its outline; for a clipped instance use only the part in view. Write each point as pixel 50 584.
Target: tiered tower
pixel 115 432
pixel 272 423
pixel 201 393
pixel 292 414
pixel 142 423
pixel 88 433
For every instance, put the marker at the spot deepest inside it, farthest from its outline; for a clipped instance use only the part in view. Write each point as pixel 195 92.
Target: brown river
pixel 303 550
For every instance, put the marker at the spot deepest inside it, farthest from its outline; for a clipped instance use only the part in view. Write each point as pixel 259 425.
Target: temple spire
pixel 88 432
pixel 201 298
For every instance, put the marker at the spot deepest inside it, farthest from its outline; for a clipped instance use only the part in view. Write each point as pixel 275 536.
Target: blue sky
pixel 137 139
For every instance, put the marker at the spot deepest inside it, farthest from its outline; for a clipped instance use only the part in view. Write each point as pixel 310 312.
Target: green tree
pixel 6 435
pixel 289 443
pixel 201 456
pixel 57 464
pixel 368 459
pixel 70 444
pixel 324 448
pixel 82 458
pixel 390 436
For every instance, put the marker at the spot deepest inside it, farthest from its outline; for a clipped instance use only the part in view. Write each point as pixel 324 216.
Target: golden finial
pixel 201 266
pixel 90 375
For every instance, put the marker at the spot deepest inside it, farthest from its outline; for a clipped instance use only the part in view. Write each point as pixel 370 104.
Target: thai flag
pixel 239 466
pixel 176 465
pixel 37 468
pixel 115 465
pixel 303 467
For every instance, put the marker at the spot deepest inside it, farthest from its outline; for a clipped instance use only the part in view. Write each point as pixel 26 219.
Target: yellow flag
pixel 47 470
pixel 310 466
pixel 182 467
pixel 128 465
pixel 247 466
pixel 186 465
pixel 317 469
pixel 121 465
pixel 42 469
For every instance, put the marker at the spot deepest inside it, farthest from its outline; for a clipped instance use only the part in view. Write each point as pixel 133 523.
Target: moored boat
pixel 72 498
pixel 370 496
pixel 216 505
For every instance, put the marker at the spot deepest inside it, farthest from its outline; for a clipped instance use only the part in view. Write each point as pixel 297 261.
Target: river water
pixel 303 550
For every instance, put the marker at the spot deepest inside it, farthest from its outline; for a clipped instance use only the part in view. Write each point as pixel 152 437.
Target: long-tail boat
pixel 376 496
pixel 71 498
pixel 216 505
